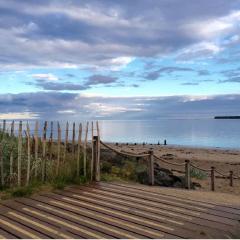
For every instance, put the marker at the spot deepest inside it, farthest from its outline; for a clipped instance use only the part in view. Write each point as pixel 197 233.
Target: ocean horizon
pixel 212 133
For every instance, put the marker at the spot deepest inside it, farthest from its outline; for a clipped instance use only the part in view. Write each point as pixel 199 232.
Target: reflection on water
pixel 200 132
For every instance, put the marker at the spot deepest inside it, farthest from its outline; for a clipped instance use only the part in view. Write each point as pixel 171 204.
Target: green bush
pixel 198 174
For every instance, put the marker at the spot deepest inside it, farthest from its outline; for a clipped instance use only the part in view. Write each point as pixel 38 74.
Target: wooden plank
pixel 131 209
pixel 79 148
pixel 192 208
pixel 169 209
pixel 192 201
pixel 19 153
pixel 61 218
pixel 114 221
pixel 46 229
pixel 160 225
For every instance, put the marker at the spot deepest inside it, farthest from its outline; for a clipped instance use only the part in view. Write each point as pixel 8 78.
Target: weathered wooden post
pixel 151 168
pixel 4 126
pixel 96 159
pixel 28 154
pixel 44 165
pixel 58 148
pixel 79 148
pixel 73 140
pixel 12 129
pixel 66 142
pixel 213 178
pixel 36 148
pixel 19 153
pixel 92 159
pixel 1 164
pixel 165 142
pixel 50 141
pixel 85 152
pixel 231 178
pixel 187 174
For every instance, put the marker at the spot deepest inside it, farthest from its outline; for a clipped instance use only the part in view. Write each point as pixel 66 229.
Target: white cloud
pixel 45 76
pixel 18 115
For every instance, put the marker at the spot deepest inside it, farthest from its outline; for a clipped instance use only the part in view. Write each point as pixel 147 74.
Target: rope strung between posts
pixel 171 163
pixel 201 169
pixel 222 174
pixel 123 153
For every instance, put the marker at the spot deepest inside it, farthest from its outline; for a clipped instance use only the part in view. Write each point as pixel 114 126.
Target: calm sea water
pixel 185 132
pixel 199 132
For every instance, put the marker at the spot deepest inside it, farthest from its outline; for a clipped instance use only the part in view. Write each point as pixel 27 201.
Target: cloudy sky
pixel 107 59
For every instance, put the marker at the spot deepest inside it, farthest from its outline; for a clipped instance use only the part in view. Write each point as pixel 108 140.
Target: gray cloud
pixel 190 84
pixel 58 86
pixel 100 79
pixel 96 32
pixel 59 105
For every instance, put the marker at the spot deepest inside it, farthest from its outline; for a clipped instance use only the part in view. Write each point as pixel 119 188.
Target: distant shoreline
pixel 227 117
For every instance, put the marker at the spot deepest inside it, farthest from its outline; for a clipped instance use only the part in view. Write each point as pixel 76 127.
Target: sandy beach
pixel 224 160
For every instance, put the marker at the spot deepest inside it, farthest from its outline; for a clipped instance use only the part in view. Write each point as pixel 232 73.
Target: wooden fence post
pixel 28 154
pixel 73 140
pixel 58 148
pixel 19 153
pixel 96 162
pixel 85 152
pixel 92 159
pixel 213 178
pixel 66 142
pixel 187 174
pixel 4 126
pixel 44 152
pixel 151 168
pixel 99 145
pixel 79 148
pixel 1 164
pixel 12 129
pixel 36 148
pixel 51 141
pixel 231 178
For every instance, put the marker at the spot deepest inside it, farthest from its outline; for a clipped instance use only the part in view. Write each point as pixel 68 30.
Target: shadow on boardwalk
pixel 114 210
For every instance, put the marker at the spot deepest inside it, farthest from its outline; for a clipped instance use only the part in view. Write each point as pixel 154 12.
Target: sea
pixel 213 133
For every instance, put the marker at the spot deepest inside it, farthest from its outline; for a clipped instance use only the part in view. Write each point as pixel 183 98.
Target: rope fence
pixel 211 172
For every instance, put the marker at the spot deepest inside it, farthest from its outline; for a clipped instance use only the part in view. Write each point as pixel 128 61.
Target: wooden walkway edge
pixel 109 210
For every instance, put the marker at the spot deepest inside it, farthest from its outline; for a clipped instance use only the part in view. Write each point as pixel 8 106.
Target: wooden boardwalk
pixel 107 210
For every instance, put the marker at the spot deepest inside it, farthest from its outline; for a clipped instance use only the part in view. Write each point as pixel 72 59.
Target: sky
pixel 107 59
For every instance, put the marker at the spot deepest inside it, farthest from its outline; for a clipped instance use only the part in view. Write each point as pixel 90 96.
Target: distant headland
pixel 227 117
